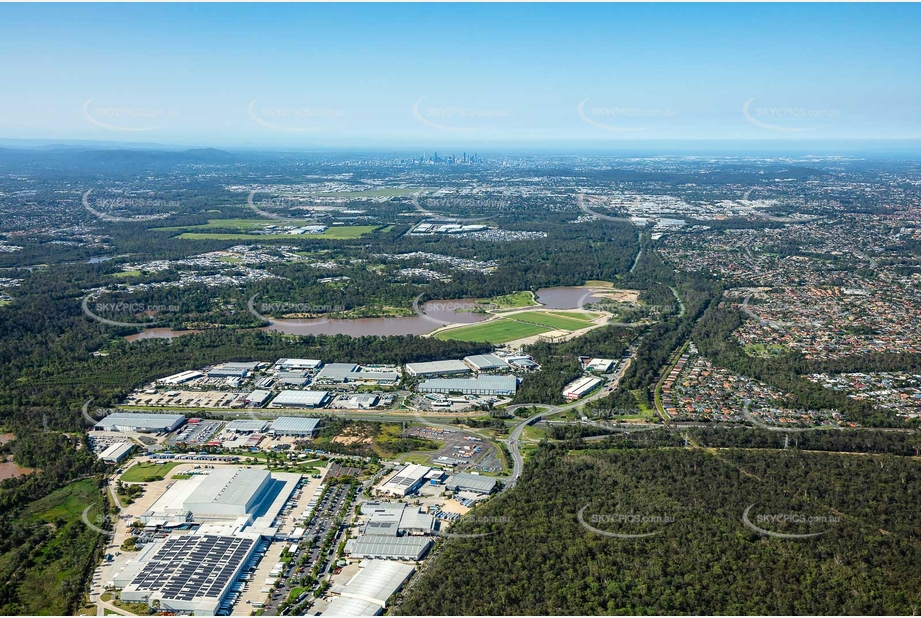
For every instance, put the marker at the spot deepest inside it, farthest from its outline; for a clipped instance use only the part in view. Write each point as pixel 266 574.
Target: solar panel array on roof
pixel 190 568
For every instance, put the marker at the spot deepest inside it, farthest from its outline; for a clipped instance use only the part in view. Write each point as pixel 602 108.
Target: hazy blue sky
pixel 447 74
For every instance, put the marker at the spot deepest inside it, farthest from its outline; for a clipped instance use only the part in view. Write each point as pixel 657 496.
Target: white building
pixel 601 365
pixel 295 426
pixel 436 368
pixel 300 399
pixel 405 481
pixel 481 385
pixel 116 452
pixel 140 422
pixel 485 362
pixel 368 593
pixel 581 387
pixel 181 378
pixel 225 494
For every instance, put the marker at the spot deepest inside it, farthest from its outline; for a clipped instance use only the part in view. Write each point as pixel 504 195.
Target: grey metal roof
pixel 301 398
pixel 246 425
pixel 337 370
pixel 435 367
pixel 140 419
pixel 385 546
pixel 482 362
pixel 498 384
pixel 473 482
pixel 295 423
pixel 234 486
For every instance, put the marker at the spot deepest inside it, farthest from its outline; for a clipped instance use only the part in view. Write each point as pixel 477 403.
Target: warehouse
pixel 601 365
pixel 116 452
pixel 223 494
pixel 485 362
pixel 482 385
pixel 405 481
pixel 295 426
pixel 375 583
pixel 300 399
pixel 189 573
pixel 298 364
pixel 388 548
pixel 396 518
pixel 224 372
pixel 437 368
pixel 246 426
pixel 342 373
pixel 258 398
pixel 181 378
pixel 140 422
pixel 476 483
pixel 580 387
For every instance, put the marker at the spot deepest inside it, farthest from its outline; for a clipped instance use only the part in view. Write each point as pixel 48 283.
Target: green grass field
pixel 146 472
pixel 558 321
pixel 127 273
pixel 496 331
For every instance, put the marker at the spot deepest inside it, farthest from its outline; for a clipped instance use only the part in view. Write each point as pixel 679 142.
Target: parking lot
pixel 187 399
pixel 462 451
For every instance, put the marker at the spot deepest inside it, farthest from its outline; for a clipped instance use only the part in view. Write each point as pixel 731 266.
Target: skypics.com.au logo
pixel 293 119
pixel 761 523
pixel 622 119
pixel 623 521
pixel 788 119
pixel 457 119
pixel 126 119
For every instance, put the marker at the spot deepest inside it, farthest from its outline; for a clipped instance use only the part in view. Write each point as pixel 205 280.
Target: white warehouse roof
pixel 139 421
pixel 437 367
pixel 310 399
pixel 295 424
pixel 376 581
pixel 485 362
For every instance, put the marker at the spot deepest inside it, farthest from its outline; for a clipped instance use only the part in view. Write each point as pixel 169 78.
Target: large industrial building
pixel 475 483
pixel 298 364
pixel 437 368
pixel 223 494
pixel 481 385
pixel 180 378
pixel 395 519
pixel 300 399
pixel 485 362
pixel 368 593
pixel 140 422
pixel 404 482
pixel 246 426
pixel 116 452
pixel 295 426
pixel 409 548
pixel 344 373
pixel 581 387
pixel 258 398
pixel 188 573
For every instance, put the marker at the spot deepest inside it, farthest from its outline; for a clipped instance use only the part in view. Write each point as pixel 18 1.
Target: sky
pixel 458 75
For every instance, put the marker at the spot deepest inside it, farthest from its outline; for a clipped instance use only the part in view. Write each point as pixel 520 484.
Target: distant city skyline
pixel 450 77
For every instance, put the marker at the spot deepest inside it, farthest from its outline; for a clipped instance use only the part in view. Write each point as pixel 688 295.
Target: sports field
pixel 556 320
pixel 495 331
pixel 519 326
